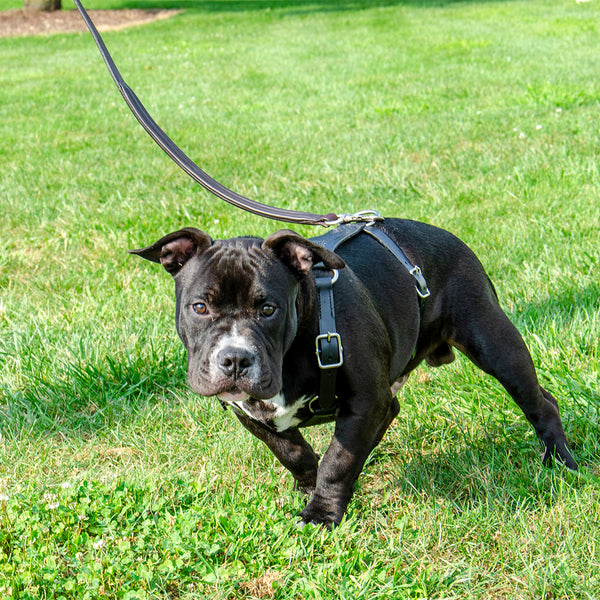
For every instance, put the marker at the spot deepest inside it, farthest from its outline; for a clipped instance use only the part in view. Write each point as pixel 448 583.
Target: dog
pixel 248 313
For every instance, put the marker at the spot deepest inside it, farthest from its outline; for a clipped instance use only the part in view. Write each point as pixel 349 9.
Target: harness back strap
pixel 332 240
pixel 387 242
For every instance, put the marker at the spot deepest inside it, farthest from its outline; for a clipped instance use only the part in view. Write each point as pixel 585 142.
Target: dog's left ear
pixel 175 249
pixel 300 254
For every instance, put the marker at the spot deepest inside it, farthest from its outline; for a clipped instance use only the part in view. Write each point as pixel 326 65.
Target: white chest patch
pixel 272 412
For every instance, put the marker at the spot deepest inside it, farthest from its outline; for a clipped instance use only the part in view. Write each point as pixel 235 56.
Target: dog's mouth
pixel 229 391
pixel 233 396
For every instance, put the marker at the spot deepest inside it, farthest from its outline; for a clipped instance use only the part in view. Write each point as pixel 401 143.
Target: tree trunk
pixel 42 5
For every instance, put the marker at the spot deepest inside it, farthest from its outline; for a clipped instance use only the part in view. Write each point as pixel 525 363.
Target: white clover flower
pixel 98 544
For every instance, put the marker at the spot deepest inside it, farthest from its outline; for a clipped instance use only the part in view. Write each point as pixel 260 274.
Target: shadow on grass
pixel 81 399
pixel 291 6
pixel 487 473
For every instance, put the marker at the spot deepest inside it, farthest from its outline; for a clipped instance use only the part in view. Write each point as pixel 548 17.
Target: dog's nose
pixel 235 362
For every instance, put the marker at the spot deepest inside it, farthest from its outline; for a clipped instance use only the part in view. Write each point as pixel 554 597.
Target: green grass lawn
pixel 115 480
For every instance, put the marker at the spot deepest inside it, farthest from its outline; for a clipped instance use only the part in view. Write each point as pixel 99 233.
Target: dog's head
pixel 236 308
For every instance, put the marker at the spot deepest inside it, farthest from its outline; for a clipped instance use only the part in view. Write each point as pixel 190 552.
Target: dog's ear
pixel 300 254
pixel 175 249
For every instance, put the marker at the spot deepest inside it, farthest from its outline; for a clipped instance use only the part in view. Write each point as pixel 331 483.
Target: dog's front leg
pixel 355 436
pixel 292 451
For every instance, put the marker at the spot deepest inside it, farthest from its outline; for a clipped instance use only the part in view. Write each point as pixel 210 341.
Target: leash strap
pixel 186 163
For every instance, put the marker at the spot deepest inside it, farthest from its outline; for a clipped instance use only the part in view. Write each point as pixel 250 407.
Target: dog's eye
pixel 267 310
pixel 200 308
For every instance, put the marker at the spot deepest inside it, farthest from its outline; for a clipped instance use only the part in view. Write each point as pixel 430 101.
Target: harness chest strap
pixel 330 354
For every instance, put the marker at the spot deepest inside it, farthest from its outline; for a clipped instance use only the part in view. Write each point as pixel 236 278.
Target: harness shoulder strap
pixel 387 242
pixel 334 238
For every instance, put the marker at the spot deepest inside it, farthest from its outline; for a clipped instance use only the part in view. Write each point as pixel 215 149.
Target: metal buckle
pixel 424 294
pixel 418 275
pixel 326 281
pixel 362 216
pixel 327 336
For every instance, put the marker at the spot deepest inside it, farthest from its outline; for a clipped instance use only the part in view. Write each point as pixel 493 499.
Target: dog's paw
pixel 316 514
pixel 327 522
pixel 302 524
pixel 560 452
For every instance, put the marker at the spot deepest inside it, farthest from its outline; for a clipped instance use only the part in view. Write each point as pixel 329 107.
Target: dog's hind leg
pixel 494 344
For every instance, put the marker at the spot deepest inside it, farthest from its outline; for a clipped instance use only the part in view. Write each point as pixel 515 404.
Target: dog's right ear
pixel 175 249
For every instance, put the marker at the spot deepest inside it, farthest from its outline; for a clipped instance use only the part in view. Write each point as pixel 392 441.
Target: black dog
pixel 248 313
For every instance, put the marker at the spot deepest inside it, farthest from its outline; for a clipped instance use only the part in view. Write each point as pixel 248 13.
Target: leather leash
pixel 193 170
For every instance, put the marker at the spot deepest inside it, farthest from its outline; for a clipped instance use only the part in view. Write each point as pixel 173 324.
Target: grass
pixel 115 480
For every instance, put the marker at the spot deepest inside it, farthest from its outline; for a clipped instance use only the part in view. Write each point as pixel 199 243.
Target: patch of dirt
pixel 262 587
pixel 26 22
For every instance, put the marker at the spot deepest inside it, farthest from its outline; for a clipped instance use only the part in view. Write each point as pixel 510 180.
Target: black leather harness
pixel 329 349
